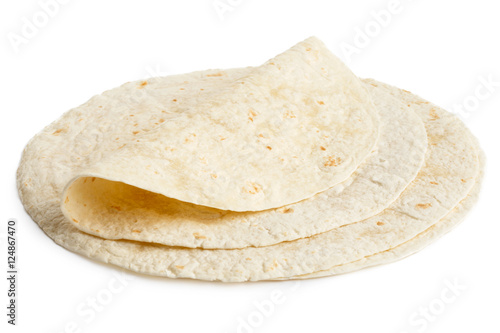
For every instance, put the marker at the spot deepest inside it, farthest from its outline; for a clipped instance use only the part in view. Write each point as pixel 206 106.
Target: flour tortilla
pixel 115 210
pixel 284 131
pixel 448 175
pixel 415 244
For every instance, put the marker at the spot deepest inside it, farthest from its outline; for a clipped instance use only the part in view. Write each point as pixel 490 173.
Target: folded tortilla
pixel 272 136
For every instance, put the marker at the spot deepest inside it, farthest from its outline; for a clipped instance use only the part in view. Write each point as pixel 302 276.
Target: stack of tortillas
pixel 294 169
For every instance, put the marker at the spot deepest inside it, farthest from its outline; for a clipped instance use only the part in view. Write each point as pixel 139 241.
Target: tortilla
pixel 449 172
pixel 115 210
pixel 278 134
pixel 415 244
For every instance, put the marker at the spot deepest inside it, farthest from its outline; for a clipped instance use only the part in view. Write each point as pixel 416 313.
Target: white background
pixel 440 50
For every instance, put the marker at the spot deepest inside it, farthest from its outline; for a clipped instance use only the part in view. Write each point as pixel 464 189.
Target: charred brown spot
pixel 268 147
pixel 59 131
pixel 135 132
pixel 380 223
pixel 137 231
pixel 322 148
pixel 74 220
pixel 252 188
pixel 433 114
pixel 179 266
pixel 117 207
pixel 434 183
pixel 424 205
pixel 198 236
pixel 332 161
pixel 321 103
pixel 65 201
pixel 143 84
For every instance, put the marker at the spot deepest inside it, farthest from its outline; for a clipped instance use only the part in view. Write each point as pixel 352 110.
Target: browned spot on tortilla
pixel 332 161
pixel 202 89
pixel 373 84
pixel 289 114
pixel 116 207
pixel 248 258
pixel 322 148
pixel 161 120
pixel 321 103
pixel 308 49
pixel 286 210
pixel 174 100
pixel 65 201
pixel 179 267
pixel 75 221
pixel 57 132
pixel 214 75
pixel 123 145
pixel 406 91
pixel 252 188
pixel 433 115
pixel 268 147
pixel 198 236
pixel 170 148
pixel 188 139
pixel 261 136
pixel 251 114
pixel 84 205
pixel 96 230
pixel 213 175
pixel 379 223
pixel 137 231
pixel 181 89
pixel 135 132
pixel 143 84
pixel 93 179
pixel 100 106
pixel 463 180
pixel 434 183
pixel 423 205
